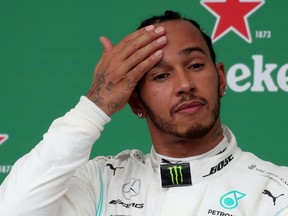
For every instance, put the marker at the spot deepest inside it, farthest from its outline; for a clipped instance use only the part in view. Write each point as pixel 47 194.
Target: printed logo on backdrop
pixel 4 168
pixel 263 75
pixel 232 15
pixel 3 138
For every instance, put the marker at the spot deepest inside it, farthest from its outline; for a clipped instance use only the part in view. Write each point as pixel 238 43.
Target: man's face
pixel 180 95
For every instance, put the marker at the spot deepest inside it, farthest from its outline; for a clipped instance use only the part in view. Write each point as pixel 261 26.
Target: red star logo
pixel 3 138
pixel 232 15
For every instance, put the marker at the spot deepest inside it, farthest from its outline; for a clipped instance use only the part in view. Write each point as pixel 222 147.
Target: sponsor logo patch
pixel 231 199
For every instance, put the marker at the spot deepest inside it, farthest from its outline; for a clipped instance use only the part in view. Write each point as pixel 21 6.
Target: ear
pixel 222 78
pixel 136 105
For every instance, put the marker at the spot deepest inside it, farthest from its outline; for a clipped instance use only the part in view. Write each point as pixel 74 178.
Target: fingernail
pixel 158 53
pixel 159 30
pixel 149 28
pixel 161 40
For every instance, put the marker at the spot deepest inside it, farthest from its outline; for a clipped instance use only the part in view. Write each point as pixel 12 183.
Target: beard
pixel 196 130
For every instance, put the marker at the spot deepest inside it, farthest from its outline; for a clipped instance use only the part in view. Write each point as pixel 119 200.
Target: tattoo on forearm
pixel 115 105
pixel 98 101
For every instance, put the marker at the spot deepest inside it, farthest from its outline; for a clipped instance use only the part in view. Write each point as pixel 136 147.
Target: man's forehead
pixel 184 38
pixel 176 24
pixel 182 30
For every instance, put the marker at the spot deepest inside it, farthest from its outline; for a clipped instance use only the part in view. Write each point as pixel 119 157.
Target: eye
pixel 161 76
pixel 196 66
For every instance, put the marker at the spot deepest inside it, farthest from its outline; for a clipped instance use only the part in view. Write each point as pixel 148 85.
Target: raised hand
pixel 122 66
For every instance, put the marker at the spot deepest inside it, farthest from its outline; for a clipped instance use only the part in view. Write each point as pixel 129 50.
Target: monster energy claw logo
pixel 175 175
pixel 174 171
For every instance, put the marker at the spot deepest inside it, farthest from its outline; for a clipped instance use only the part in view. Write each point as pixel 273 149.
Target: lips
pixel 189 106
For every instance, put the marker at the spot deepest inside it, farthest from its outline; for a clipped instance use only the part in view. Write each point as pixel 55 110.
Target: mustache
pixel 187 98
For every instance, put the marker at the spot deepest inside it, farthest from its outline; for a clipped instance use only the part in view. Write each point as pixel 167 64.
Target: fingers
pixel 122 66
pixel 137 40
pixel 140 69
pixel 141 51
pixel 106 43
pixel 144 59
pixel 137 52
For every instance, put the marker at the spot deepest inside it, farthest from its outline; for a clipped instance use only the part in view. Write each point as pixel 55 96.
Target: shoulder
pixel 97 166
pixel 256 166
pixel 130 155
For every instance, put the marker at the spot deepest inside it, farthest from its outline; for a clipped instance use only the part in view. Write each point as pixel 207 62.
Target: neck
pixel 175 147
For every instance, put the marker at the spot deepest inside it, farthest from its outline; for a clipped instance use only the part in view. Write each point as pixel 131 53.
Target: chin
pixel 198 130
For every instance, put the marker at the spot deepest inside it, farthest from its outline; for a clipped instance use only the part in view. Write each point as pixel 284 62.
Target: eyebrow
pixel 184 52
pixel 159 64
pixel 189 50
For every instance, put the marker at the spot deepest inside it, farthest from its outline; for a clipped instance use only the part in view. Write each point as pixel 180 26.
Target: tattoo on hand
pixel 130 85
pixel 109 86
pixel 100 80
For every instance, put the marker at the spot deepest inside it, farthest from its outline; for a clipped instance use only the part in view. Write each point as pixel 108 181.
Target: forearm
pixel 40 178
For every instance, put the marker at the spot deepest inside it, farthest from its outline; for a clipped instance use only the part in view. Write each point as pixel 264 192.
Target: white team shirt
pixel 56 178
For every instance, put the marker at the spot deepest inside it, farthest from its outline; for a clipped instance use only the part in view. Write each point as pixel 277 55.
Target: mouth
pixel 190 106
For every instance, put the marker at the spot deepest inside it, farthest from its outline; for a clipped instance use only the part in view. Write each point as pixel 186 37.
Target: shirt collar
pixel 209 166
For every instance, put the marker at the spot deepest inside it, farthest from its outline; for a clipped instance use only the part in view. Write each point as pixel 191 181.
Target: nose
pixel 184 83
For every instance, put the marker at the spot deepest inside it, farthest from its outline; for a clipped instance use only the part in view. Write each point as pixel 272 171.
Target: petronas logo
pixel 231 199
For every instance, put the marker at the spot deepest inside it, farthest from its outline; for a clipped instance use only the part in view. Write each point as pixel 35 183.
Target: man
pixel 166 70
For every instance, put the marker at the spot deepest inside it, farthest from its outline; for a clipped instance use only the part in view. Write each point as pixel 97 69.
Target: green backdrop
pixel 48 50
